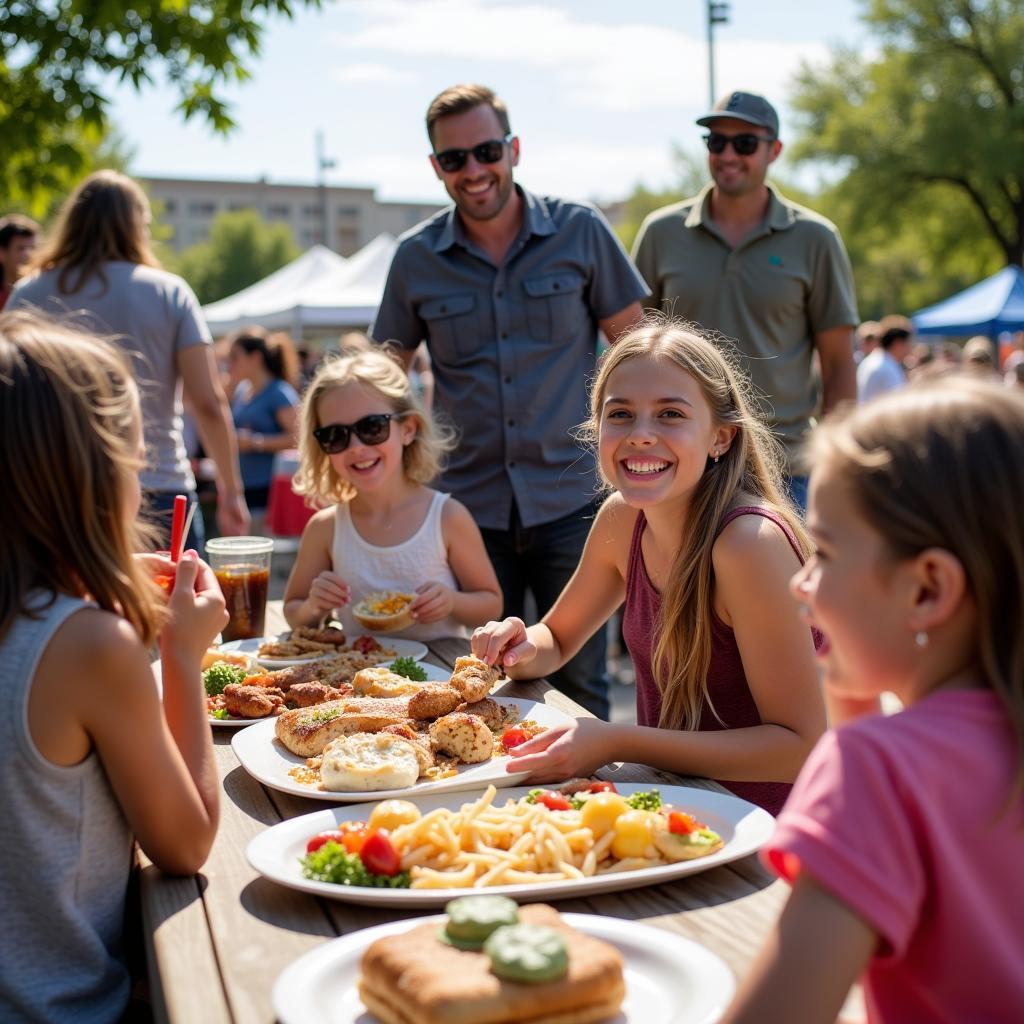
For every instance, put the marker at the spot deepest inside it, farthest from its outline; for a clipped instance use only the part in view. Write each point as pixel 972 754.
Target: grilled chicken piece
pixel 463 736
pixel 243 701
pixel 420 744
pixel 305 695
pixel 495 715
pixel 474 678
pixel 306 731
pixel 326 635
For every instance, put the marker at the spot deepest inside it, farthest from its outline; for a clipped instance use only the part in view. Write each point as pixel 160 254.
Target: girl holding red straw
pixel 89 755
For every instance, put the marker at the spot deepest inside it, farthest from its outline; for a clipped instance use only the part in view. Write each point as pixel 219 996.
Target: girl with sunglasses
pixel 369 448
pixel 699 542
pixel 89 754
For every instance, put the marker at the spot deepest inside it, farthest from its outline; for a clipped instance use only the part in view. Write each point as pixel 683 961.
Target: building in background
pixel 354 215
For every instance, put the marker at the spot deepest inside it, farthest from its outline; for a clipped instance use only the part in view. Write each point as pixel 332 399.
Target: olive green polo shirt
pixel 771 294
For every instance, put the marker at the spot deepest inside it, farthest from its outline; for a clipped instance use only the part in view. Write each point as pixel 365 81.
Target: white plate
pixel 269 761
pixel 403 649
pixel 277 851
pixel 217 723
pixel 669 979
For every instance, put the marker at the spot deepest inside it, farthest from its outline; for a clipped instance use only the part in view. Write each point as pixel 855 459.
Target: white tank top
pixel 366 567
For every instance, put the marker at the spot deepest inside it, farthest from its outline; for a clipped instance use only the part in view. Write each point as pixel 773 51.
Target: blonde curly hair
pixel 422 459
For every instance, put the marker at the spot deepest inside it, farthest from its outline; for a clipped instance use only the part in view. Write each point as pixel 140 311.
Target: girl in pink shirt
pixel 699 543
pixel 903 838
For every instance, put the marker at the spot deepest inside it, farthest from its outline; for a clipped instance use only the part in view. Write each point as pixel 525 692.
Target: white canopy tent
pixel 318 291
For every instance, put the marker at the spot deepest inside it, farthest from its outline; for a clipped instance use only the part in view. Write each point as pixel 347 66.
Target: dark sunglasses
pixel 489 152
pixel 372 429
pixel 744 144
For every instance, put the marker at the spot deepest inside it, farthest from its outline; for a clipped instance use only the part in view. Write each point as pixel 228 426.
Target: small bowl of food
pixel 384 611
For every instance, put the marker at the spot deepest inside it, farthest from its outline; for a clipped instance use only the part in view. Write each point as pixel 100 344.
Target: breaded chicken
pixel 420 743
pixel 474 678
pixel 305 695
pixel 432 700
pixel 496 715
pixel 462 736
pixel 325 635
pixel 243 701
pixel 306 731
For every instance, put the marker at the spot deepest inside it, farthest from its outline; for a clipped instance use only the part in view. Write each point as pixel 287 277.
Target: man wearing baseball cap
pixel 771 276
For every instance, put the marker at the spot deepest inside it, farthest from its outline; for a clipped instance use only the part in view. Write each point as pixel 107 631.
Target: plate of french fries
pixel 499 843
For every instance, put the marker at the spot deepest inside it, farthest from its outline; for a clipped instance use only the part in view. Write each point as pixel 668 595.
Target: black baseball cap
pixel 744 106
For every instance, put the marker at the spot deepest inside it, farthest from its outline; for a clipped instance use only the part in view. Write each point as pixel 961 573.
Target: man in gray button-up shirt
pixel 508 290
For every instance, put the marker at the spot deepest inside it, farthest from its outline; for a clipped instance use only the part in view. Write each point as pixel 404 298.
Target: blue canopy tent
pixel 988 307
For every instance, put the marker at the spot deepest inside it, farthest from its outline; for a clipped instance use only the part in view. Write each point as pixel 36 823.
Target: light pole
pixel 718 14
pixel 323 163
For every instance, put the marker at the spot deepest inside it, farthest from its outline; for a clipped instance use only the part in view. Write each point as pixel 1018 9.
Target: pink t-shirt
pixel 903 820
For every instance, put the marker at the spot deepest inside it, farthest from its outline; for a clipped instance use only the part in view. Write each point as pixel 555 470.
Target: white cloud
pixel 370 74
pixel 614 68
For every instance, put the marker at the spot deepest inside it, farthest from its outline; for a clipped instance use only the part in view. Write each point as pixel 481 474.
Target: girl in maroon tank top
pixel 699 542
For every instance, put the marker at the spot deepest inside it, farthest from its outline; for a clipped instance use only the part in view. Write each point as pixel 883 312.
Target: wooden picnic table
pixel 216 942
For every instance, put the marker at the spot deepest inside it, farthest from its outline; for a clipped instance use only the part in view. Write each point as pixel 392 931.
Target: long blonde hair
pixel 68 412
pixel 750 470
pixel 938 465
pixel 422 459
pixel 105 218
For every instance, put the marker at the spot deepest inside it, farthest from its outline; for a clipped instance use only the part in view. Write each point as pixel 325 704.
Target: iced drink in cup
pixel 242 568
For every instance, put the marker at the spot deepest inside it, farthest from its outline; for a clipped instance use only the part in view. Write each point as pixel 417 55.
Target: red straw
pixel 178 527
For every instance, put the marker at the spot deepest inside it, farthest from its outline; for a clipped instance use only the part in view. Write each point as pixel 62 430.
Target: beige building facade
pixel 353 215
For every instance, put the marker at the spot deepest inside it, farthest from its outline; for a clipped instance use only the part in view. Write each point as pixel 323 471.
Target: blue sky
pixel 598 90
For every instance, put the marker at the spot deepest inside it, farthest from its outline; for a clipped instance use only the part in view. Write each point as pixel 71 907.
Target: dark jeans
pixel 797 487
pixel 542 559
pixel 158 508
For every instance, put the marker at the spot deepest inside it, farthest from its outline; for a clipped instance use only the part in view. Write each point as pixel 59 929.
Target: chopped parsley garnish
pixel 409 668
pixel 321 715
pixel 332 863
pixel 649 800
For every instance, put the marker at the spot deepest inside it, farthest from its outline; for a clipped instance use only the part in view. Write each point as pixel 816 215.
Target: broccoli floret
pixel 219 675
pixel 409 668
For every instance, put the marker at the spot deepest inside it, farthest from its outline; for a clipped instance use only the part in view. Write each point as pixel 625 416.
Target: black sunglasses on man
pixel 489 152
pixel 744 144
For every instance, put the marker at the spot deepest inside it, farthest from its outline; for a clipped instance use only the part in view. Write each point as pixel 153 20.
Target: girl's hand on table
pixel 434 602
pixel 328 591
pixel 575 749
pixel 503 643
pixel 197 609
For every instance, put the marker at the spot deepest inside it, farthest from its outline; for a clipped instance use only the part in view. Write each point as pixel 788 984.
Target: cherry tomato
pixel 600 786
pixel 680 823
pixel 379 855
pixel 323 837
pixel 554 801
pixel 512 737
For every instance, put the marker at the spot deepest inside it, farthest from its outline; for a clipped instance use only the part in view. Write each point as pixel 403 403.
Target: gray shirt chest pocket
pixel 453 326
pixel 554 306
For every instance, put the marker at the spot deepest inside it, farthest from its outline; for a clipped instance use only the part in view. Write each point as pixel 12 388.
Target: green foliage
pixel 57 55
pixel 690 173
pixel 241 250
pixel 929 138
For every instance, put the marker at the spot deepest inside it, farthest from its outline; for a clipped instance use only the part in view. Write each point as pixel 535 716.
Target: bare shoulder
pixel 320 528
pixel 94 650
pixel 751 544
pixel 455 515
pixel 612 530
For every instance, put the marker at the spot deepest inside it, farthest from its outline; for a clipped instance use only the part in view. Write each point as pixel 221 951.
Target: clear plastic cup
pixel 242 568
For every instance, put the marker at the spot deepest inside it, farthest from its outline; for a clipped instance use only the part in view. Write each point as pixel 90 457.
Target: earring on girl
pixel 921 639
pixel 717 457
